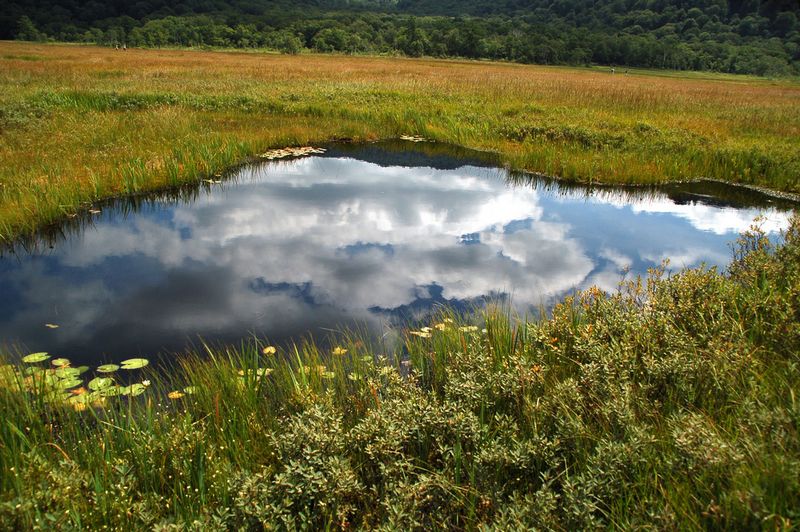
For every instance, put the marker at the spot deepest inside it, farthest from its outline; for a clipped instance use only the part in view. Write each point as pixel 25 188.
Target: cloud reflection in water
pixel 296 247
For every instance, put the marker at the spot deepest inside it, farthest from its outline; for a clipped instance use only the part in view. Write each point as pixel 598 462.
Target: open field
pixel 82 123
pixel 670 405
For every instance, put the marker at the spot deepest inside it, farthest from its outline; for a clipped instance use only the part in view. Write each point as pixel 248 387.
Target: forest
pixel 760 37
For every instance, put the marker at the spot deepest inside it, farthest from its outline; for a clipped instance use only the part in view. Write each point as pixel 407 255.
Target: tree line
pixel 739 36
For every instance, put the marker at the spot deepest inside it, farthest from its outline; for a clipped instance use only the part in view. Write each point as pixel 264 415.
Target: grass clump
pixel 667 404
pixel 90 123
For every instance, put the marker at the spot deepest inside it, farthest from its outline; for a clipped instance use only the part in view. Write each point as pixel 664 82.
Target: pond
pixel 367 236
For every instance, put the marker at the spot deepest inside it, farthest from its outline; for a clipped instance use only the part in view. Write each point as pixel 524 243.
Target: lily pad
pixel 133 390
pixel 60 362
pixel 135 363
pixel 99 383
pixel 34 358
pixel 111 391
pixel 56 396
pixel 66 384
pixel 85 398
pixel 69 371
pixel 190 390
pixel 107 368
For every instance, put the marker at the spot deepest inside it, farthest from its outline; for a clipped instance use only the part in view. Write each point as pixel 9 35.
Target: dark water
pixel 367 235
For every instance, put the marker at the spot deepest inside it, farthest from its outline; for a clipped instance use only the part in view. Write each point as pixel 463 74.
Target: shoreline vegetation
pixel 669 404
pixel 80 124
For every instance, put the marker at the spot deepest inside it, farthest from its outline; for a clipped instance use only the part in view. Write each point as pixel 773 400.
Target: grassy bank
pixel 669 405
pixel 82 123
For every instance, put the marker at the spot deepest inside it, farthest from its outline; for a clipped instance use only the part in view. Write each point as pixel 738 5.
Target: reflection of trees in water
pixel 434 155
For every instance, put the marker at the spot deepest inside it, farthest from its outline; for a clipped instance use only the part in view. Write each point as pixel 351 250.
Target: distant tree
pixel 330 40
pixel 27 31
pixel 286 42
pixel 785 23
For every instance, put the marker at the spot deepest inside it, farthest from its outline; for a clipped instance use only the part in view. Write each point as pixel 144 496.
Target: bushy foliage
pixel 740 37
pixel 669 404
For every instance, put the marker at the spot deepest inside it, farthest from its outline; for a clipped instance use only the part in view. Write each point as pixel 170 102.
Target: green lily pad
pixel 135 363
pixel 57 396
pixel 111 391
pixel 34 358
pixel 133 390
pixel 66 384
pixel 67 373
pixel 60 362
pixel 107 368
pixel 99 383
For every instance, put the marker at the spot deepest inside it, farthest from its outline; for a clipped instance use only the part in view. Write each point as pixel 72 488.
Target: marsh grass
pixel 87 123
pixel 668 404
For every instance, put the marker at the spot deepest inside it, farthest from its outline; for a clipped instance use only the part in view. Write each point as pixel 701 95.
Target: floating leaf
pixel 98 383
pixel 66 384
pixel 51 325
pixel 189 390
pixel 339 351
pixel 67 373
pixel 34 358
pixel 134 389
pixel 85 398
pixel 111 391
pixel 56 396
pixel 135 363
pixel 60 362
pixel 107 368
pixel 175 395
pixel 269 350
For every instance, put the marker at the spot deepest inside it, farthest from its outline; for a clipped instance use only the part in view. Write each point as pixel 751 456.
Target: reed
pixel 669 403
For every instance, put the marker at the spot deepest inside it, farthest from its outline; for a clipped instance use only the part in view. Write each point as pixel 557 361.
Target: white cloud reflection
pixel 294 247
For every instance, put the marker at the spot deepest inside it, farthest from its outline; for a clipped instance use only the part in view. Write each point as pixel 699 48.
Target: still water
pixel 367 236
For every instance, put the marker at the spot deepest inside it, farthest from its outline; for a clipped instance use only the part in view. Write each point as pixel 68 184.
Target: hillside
pixel 737 36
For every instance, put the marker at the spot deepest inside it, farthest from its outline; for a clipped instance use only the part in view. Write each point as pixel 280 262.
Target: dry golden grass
pixel 82 123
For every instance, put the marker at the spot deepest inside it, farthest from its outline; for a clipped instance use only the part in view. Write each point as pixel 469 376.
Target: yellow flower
pixel 440 326
pixel 269 350
pixel 426 329
pixel 175 395
pixel 339 351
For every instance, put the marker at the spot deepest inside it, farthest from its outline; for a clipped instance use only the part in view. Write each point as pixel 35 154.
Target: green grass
pixel 86 123
pixel 670 404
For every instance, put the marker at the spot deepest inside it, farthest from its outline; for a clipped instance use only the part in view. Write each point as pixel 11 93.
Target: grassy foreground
pixel 671 405
pixel 82 123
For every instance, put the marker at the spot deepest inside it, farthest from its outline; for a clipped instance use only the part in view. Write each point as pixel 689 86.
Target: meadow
pixel 81 123
pixel 668 405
